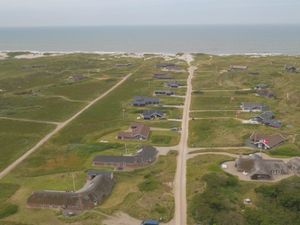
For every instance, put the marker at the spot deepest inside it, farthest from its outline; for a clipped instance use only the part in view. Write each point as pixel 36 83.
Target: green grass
pixel 213 196
pixel 219 133
pixel 38 108
pixel 17 137
pixel 6 208
pixel 145 193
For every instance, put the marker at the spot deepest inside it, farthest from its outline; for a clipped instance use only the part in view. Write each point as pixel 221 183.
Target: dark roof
pixel 173 84
pixel 265 93
pixel 141 100
pixel 137 129
pixel 261 86
pixel 254 106
pixel 290 68
pixel 162 76
pixel 256 165
pixel 150 113
pixel 266 118
pixel 159 65
pixel 164 92
pixel 86 198
pixel 238 67
pixel 269 140
pixel 145 154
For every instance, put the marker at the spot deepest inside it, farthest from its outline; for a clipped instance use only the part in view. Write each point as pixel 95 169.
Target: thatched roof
pixel 90 195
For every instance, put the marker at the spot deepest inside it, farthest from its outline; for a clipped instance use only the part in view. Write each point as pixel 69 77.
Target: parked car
pixel 150 222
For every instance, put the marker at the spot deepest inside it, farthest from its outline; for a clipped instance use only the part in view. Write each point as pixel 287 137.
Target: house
pixel 173 68
pixel 290 69
pixel 260 169
pixel 165 65
pixel 152 114
pixel 123 64
pixel 253 107
pixel 91 195
pixel 143 101
pixel 238 67
pixel 164 92
pixel 267 93
pixel 173 84
pixel 261 86
pixel 77 77
pixel 145 156
pixel 162 76
pixel 253 73
pixel 138 131
pixel 266 141
pixel 266 118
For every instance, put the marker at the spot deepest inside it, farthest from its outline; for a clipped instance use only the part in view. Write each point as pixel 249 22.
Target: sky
pixel 23 13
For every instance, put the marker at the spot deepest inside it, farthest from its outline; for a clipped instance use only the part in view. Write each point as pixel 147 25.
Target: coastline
pixel 140 54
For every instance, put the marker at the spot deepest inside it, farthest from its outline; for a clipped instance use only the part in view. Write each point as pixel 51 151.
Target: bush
pixel 7 210
pixel 149 184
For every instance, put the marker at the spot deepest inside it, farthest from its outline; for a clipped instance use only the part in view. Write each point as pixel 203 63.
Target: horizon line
pixel 152 25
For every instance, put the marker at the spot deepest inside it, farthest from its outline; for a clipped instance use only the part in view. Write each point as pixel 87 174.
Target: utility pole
pixel 123 114
pixel 126 152
pixel 74 188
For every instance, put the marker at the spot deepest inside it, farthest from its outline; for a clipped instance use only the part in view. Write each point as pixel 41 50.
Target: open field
pixel 219 91
pixel 72 149
pixel 18 136
pixel 145 193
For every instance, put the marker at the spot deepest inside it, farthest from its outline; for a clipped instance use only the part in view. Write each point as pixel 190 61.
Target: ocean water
pixel 215 39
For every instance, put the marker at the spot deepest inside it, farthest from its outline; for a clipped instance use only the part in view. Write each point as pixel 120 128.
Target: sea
pixel 212 39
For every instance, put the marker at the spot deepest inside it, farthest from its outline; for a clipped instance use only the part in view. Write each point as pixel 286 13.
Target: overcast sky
pixel 140 12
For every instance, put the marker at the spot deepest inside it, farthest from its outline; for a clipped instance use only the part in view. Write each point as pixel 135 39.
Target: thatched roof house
pixel 88 197
pixel 259 168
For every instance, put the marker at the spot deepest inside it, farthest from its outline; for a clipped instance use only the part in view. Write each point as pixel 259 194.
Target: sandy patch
pixel 30 55
pixel 3 55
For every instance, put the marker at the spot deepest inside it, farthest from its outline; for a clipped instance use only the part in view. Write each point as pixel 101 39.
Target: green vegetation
pixel 218 203
pixel 219 133
pixel 218 88
pixel 16 137
pixel 70 152
pixel 145 193
pixel 215 197
pixel 276 204
pixel 6 208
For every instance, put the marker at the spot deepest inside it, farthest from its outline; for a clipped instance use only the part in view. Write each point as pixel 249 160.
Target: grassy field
pixel 72 149
pixel 145 193
pixel 213 74
pixel 16 137
pixel 44 88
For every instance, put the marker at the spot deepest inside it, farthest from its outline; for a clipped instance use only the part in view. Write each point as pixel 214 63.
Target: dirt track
pixel 59 127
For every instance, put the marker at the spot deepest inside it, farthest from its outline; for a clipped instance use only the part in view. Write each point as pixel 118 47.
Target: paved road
pixel 180 178
pixel 59 127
